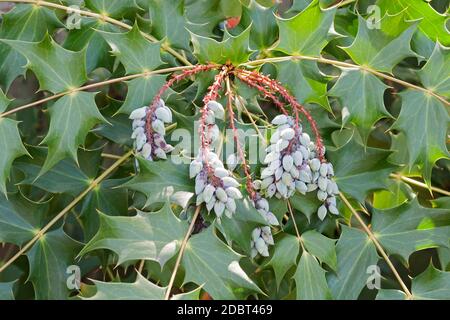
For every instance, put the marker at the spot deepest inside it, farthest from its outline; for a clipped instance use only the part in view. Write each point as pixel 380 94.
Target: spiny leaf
pixel 160 179
pixel 361 95
pixel 355 252
pixel 360 169
pixel 284 255
pixel 411 227
pixel 27 23
pixel 209 262
pixel 434 75
pixel 383 48
pixel 307 32
pixel 136 53
pixel 321 247
pixel 431 284
pixel 141 92
pixel 112 8
pixel 56 68
pixel 264 30
pixel 234 49
pixel 191 295
pixel 141 289
pixel 305 81
pixel 72 117
pixel 49 258
pixel 150 236
pixel 11 148
pixel 310 279
pixel 432 23
pixel 169 23
pixel 424 121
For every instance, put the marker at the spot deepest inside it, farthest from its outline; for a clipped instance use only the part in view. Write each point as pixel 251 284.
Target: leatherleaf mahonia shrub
pixel 242 149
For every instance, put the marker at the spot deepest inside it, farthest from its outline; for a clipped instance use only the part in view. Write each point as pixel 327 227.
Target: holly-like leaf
pixel 434 74
pixel 191 295
pixel 424 121
pixel 310 279
pixel 150 236
pixel 209 262
pixel 161 179
pixel 432 23
pixel 49 258
pixel 141 92
pixel 239 229
pixel 56 68
pixel 321 247
pixel 234 49
pixel 141 289
pixel 284 256
pixel 27 23
pixel 360 169
pixel 136 53
pixel 168 22
pixel 305 81
pixel 411 227
pixel 361 95
pixel 11 148
pixel 72 117
pixel 432 284
pixel 112 8
pixel 264 31
pixel 382 48
pixel 307 32
pixel 355 252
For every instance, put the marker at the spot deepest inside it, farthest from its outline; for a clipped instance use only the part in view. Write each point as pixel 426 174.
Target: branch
pixel 69 207
pixel 348 65
pixel 92 86
pixel 418 183
pixel 377 244
pixel 104 18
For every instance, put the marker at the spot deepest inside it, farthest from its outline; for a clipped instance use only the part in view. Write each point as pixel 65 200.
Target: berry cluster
pixel 292 164
pixel 149 130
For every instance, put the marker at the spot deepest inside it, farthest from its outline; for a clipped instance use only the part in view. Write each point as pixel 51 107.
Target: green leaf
pixel 150 236
pixel 204 15
pixel 362 98
pixel 141 92
pixel 169 23
pixel 264 31
pixel 432 23
pixel 239 229
pixel 141 289
pixel 411 227
pixel 305 81
pixel 12 148
pixel 310 279
pixel 434 75
pixel 6 291
pixel 72 117
pixel 284 255
pixel 19 219
pixel 360 169
pixel 158 180
pixel 307 32
pixel 27 23
pixel 355 252
pixel 424 121
pixel 112 8
pixel 382 49
pixel 49 258
pixel 233 49
pixel 321 247
pixel 4 101
pixel 191 295
pixel 390 294
pixel 136 53
pixel 432 284
pixel 209 262
pixel 56 68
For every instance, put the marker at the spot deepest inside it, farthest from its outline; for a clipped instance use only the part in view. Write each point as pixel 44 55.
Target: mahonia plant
pixel 242 149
